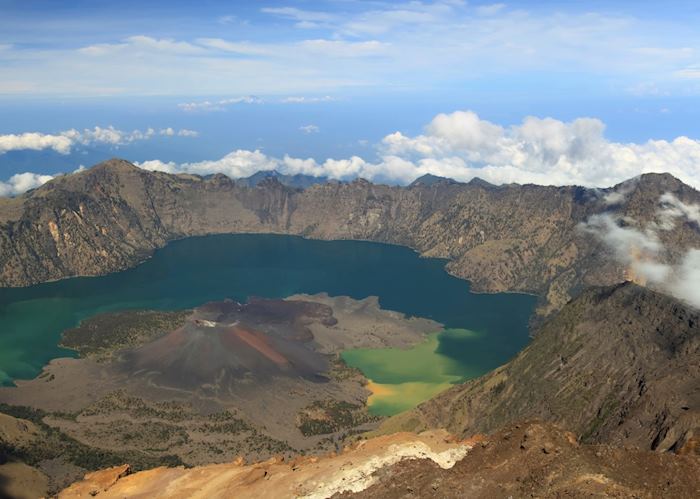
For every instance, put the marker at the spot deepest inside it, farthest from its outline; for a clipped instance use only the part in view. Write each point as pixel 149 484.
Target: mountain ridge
pixel 510 238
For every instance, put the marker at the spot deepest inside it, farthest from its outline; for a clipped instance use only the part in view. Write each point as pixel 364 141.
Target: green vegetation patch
pixel 331 416
pixel 99 337
pixel 53 444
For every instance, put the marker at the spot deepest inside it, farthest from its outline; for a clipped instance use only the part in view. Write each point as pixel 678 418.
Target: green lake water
pixel 483 330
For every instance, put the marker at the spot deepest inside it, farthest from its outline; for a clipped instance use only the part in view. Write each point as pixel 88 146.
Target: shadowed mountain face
pixel 618 365
pixel 225 342
pixel 502 238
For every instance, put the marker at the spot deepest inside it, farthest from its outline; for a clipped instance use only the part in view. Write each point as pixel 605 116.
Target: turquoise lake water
pixel 189 272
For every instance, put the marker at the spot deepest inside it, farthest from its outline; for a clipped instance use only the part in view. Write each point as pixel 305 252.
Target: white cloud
pixel 686 285
pixel 22 182
pixel 184 132
pixel 490 10
pixel 621 192
pixel 673 208
pixel 338 48
pixel 219 105
pixel 307 129
pixel 542 151
pixel 227 19
pixel 240 48
pixel 224 104
pixel 632 245
pixel 308 48
pixel 298 99
pixel 401 16
pixel 689 73
pixel 641 251
pixel 240 163
pixel 459 145
pixel 157 165
pixel 64 141
pixel 421 44
pixel 299 14
pixel 36 142
pixel 141 44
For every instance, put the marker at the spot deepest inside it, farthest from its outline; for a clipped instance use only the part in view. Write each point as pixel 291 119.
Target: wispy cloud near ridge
pixel 641 250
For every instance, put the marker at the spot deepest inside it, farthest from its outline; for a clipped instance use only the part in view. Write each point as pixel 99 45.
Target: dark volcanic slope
pixel 618 365
pixel 520 238
pixel 222 342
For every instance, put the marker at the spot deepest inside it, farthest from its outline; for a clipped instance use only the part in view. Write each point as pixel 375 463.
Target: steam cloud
pixel 642 252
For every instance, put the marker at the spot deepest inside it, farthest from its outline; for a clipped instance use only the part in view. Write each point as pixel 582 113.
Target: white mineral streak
pixel 351 478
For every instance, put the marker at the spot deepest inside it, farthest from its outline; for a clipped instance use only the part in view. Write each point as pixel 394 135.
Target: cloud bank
pixel 641 250
pixel 458 145
pixel 462 146
pixel 64 141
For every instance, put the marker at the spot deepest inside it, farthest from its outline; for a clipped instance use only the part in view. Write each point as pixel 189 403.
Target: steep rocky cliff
pixel 513 237
pixel 618 365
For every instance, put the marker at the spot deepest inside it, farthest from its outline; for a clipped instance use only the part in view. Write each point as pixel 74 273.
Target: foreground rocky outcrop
pixel 525 460
pixel 310 477
pixel 618 365
pixel 513 237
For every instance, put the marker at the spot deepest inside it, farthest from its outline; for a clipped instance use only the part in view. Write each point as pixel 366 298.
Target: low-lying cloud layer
pixel 462 146
pixel 459 145
pixel 64 141
pixel 641 250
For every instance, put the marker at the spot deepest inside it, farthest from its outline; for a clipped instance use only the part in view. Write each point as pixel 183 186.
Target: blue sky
pixel 333 80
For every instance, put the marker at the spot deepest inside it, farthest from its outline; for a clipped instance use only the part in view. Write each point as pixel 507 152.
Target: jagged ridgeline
pixel 513 237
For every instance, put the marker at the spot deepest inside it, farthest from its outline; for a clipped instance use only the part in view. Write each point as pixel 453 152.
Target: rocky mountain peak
pixel 115 165
pixel 429 179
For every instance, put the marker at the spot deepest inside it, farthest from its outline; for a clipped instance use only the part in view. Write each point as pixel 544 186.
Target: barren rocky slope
pixel 524 460
pixel 519 238
pixel 618 365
